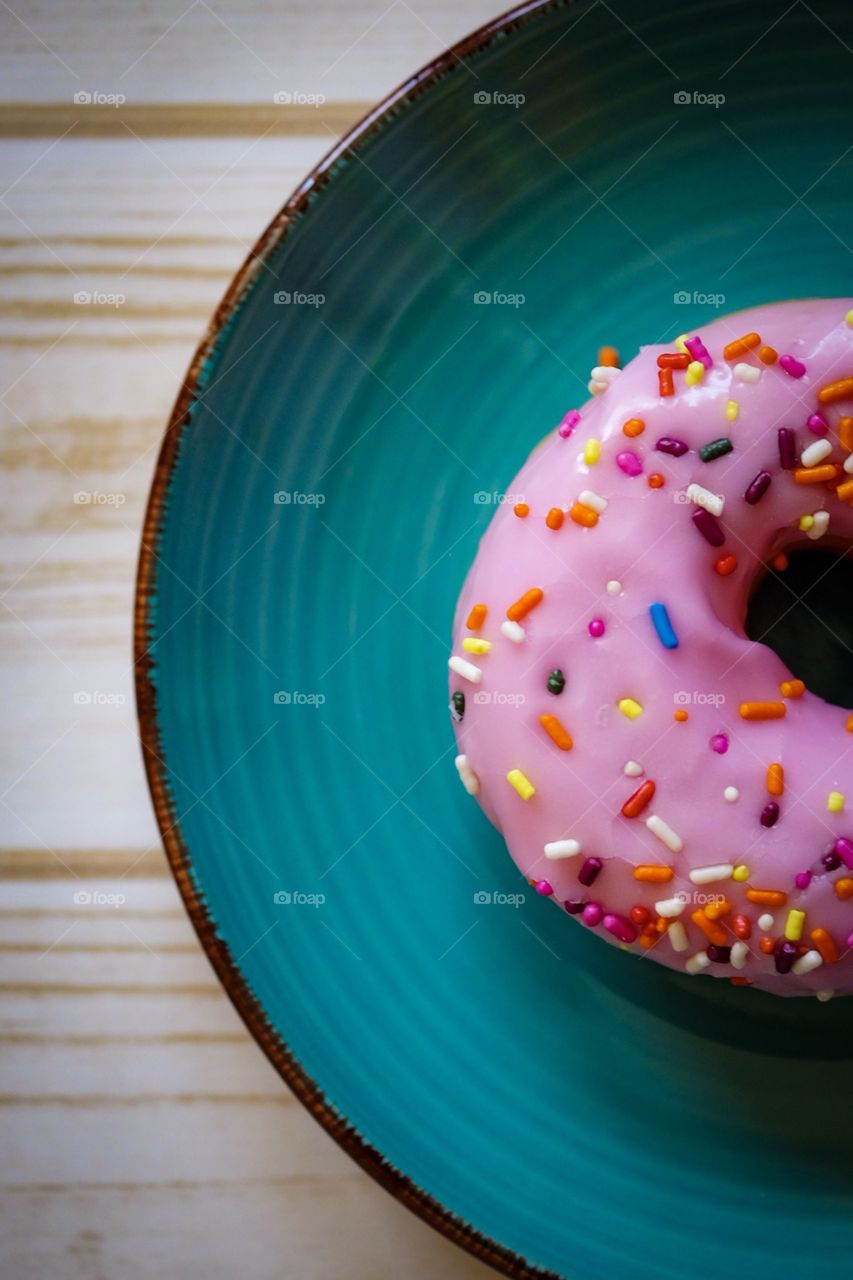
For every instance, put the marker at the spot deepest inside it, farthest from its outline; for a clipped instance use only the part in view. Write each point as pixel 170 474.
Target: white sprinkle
pixel 614 588
pixel 664 833
pixel 713 502
pixel 708 875
pixel 746 372
pixel 738 954
pixel 848 464
pixel 819 527
pixel 470 781
pixel 766 922
pixel 513 631
pixel 731 794
pixel 465 669
pixel 677 935
pixel 823 996
pixel 596 388
pixel 815 453
pixel 562 849
pixel 592 500
pixel 697 962
pixel 806 964
pixel 670 907
pixel 633 769
pixel 604 372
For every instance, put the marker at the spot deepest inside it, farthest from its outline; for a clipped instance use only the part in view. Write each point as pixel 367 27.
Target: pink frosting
pixel 646 542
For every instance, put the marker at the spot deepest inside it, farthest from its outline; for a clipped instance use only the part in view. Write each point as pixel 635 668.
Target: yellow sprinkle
pixel 630 708
pixel 794 925
pixel 849 319
pixel 693 373
pixel 591 451
pixel 835 802
pixel 732 410
pixel 523 786
pixel 806 523
pixel 472 644
pixel 741 872
pixel 680 341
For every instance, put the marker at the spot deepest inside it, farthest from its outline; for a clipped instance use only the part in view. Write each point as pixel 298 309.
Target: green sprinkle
pixel 457 705
pixel 716 449
pixel 556 681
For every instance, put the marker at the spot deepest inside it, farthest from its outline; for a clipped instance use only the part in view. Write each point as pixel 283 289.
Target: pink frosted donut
pixel 665 779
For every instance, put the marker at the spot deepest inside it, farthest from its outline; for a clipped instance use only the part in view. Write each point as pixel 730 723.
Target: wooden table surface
pixel 144 1132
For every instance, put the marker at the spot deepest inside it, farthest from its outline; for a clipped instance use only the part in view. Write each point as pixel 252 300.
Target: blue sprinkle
pixel 663 626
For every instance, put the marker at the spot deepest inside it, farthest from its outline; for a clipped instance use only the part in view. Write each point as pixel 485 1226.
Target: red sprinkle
pixel 725 565
pixel 639 799
pixel 665 383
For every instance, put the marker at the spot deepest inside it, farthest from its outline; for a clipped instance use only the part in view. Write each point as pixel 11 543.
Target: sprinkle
pixel 776 779
pixel 725 565
pixel 609 357
pixel 593 500
pixel 614 588
pixel 739 953
pixel 637 802
pixel 583 515
pixel 590 871
pixel 699 351
pixel 785 953
pixel 522 785
pixel 568 424
pixel 713 502
pixel 820 524
pixel 677 935
pixel 629 462
pixel 473 644
pixel 556 732
pixel 807 963
pixel 665 383
pixel 845 491
pixel 673 360
pixel 719 743
pixel 680 343
pixel 663 626
pixel 669 908
pixel 849 725
pixel 719 954
pixel 741 873
pixel 731 794
pixel 470 781
pixel 844 888
pixel 849 319
pixel 844 849
pixel 768 355
pixel 732 410
pixel 835 801
pixel 740 346
pixel 524 604
pixel 766 922
pixel 802 880
pixel 780 562
pixel 794 925
pixel 562 849
pixel 633 427
pixel 556 682
pixel 715 449
pixel 620 928
pixel 694 373
pixel 747 372
pixel 554 518
pixel 835 391
pixel 664 833
pixel 792 688
pixel 465 669
pixel 596 628
pixel 762 710
pixel 681 715
pixel 709 527
pixel 632 769
pixel 591 451
pixel 476 617
pixel 848 464
pixel 845 434
pixel 653 874
pixel 669 444
pixel 766 897
pixel 824 996
pixel 815 453
pixel 657 481
pixel 522 510
pixel 817 424
pixel 793 367
pixel 457 705
pixel 757 487
pixel 513 631
pixel 831 861
pixel 787 442
pixel 630 708
pixel 710 875
pixel 697 963
pixel 814 475
pixel 825 944
pixel 770 814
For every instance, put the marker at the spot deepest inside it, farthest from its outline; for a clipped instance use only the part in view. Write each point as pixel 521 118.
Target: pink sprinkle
pixel 719 743
pixel 817 423
pixel 592 914
pixel 620 928
pixel 793 367
pixel 850 939
pixel 568 424
pixel 629 462
pixel 699 351
pixel 844 849
pixel 803 879
pixel 596 628
pixel 544 887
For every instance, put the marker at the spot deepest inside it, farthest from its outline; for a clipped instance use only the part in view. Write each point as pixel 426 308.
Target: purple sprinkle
pixel 785 955
pixel 757 488
pixel 803 879
pixel 669 444
pixel 574 908
pixel 787 448
pixel 722 955
pixel 568 424
pixel 620 928
pixel 592 914
pixel 596 628
pixel 770 814
pixel 629 462
pixel 795 368
pixel 699 351
pixel 850 939
pixel 831 861
pixel 719 743
pixel 544 887
pixel 590 871
pixel 817 423
pixel 844 849
pixel 709 527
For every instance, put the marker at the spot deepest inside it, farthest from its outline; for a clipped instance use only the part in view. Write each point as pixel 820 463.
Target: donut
pixel 667 780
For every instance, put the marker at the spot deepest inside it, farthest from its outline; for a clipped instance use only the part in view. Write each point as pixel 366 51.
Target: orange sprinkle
pixel 762 710
pixel 716 910
pixel 661 924
pixel 654 874
pixel 656 480
pixel 849 725
pixel 633 427
pixel 740 982
pixel 680 715
pixel 608 357
pixel 525 603
pixel 814 475
pixel 845 434
pixel 768 355
pixel 636 803
pixel 792 688
pixel 740 346
pixel 665 383
pixel 766 945
pixel 522 510
pixel 833 391
pixel 713 932
pixel 767 897
pixel 477 617
pixel 583 515
pixel 825 944
pixel 556 732
pixel 646 942
pixel 725 565
pixel 780 562
pixel 845 491
pixel 844 888
pixel 742 926
pixel 554 518
pixel 775 779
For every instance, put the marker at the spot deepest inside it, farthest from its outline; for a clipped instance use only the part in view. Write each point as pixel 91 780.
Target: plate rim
pixel 308 1092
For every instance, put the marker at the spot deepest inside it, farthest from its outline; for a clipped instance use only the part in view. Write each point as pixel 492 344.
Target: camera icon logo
pixel 681 98
pixel 682 298
pixel 82 98
pixel 82 898
pixel 482 897
pixel 482 97
pixel 482 297
pixel 82 698
pixel 282 297
pixel 682 698
pixel 282 898
pixel 283 98
pixel 283 698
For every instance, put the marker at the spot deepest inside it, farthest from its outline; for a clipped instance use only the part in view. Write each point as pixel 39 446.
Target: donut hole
pixel 804 613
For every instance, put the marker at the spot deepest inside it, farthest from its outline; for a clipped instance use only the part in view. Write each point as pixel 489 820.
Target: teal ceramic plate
pixel 343 434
